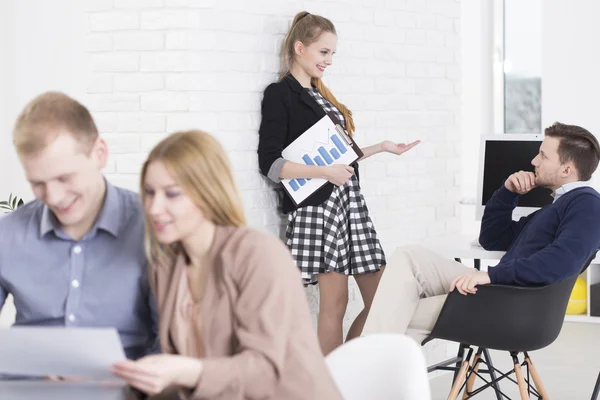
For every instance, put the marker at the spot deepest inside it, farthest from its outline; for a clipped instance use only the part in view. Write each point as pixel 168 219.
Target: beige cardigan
pixel 259 340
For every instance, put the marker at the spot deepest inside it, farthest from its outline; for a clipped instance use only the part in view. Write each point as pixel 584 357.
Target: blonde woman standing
pixel 330 234
pixel 234 320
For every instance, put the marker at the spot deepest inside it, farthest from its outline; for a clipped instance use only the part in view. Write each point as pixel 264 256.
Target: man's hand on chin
pixel 468 283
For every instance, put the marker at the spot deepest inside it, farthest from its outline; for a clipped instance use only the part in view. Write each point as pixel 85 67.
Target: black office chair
pixel 501 317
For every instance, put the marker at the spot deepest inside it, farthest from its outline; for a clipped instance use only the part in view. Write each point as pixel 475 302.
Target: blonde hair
pixel 47 116
pixel 199 164
pixel 307 28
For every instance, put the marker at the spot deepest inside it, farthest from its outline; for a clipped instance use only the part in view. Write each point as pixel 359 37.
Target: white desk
pixel 459 246
pixel 27 390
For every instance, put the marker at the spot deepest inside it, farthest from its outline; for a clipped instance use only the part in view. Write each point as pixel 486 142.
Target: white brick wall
pixel 163 65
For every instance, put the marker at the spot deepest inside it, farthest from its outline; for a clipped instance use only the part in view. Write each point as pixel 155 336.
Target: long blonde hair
pixel 307 28
pixel 200 166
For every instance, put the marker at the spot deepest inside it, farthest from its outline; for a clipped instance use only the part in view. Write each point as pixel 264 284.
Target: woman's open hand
pixel 398 148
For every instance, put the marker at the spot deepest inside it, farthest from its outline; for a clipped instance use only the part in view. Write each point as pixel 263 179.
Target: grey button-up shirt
pixel 99 281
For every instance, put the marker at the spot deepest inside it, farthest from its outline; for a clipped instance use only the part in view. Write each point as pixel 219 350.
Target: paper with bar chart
pixel 321 145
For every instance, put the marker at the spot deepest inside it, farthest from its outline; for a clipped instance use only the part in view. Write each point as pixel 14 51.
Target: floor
pixel 568 367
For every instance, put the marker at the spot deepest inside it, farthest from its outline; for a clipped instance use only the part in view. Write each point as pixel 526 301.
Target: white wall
pixel 476 29
pixel 156 66
pixel 181 65
pixel 571 56
pixel 41 48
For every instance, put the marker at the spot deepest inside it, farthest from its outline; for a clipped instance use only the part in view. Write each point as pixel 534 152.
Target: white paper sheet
pixel 42 351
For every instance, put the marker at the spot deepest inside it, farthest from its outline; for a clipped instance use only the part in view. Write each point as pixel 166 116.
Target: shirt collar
pixel 567 187
pixel 109 218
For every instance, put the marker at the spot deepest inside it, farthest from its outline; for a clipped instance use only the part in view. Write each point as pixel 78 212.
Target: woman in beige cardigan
pixel 234 320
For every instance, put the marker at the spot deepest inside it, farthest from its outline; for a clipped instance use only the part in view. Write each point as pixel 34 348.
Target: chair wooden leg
pixel 460 354
pixel 521 381
pixel 537 380
pixel 458 382
pixel 473 376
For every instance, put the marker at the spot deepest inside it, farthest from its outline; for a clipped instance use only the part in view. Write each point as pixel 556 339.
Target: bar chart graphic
pixel 321 145
pixel 324 158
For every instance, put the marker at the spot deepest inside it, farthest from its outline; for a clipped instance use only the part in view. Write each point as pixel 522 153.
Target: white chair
pixel 380 367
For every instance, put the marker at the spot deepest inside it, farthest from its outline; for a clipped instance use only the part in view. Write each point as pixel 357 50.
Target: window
pixel 518 66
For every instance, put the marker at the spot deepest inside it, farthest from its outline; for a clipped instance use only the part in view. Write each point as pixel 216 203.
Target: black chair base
pixel 454 364
pixel 467 371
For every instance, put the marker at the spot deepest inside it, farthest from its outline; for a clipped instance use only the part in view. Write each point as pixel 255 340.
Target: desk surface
pixel 27 390
pixel 461 246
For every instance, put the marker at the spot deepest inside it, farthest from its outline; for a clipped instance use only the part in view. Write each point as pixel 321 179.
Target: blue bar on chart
pixel 298 181
pixel 319 161
pixel 325 155
pixel 338 143
pixel 307 160
pixel 334 153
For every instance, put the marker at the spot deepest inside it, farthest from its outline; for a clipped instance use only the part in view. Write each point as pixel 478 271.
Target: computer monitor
pixel 501 156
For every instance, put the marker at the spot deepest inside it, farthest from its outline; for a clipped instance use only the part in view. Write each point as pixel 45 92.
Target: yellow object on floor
pixel 578 301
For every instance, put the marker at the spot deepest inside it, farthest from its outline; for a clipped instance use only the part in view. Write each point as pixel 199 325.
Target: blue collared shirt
pixel 568 187
pixel 98 281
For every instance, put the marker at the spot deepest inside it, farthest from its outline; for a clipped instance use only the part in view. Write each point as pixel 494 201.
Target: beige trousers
pixel 411 292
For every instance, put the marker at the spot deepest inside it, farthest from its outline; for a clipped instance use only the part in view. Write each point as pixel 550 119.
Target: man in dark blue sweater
pixel 553 243
pixel 547 246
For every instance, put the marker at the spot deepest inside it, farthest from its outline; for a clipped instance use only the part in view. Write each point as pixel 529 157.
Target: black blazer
pixel 287 112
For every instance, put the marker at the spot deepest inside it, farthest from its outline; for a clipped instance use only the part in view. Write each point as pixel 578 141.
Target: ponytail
pixel 287 48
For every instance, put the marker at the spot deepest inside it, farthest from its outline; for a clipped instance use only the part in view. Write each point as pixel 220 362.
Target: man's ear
pixel 567 170
pixel 100 152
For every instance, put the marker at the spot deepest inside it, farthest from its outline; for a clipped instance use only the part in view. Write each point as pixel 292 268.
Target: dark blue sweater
pixel 547 246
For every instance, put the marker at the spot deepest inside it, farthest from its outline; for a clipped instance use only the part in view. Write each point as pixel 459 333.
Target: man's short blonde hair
pixel 49 115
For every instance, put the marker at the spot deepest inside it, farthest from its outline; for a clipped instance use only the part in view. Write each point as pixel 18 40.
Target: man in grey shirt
pixel 75 255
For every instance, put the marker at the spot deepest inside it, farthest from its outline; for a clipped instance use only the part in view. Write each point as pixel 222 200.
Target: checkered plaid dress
pixel 337 235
